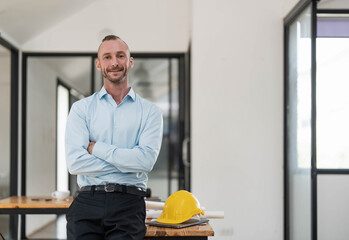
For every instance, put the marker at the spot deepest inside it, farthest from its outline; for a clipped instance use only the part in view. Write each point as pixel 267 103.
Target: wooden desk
pixel 26 205
pixel 194 232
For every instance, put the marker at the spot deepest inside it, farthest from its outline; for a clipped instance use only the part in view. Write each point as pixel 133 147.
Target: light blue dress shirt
pixel 128 139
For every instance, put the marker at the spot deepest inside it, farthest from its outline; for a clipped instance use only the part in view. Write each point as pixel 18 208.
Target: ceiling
pixel 24 19
pixel 21 20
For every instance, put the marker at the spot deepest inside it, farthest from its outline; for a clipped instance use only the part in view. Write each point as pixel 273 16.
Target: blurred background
pixel 231 113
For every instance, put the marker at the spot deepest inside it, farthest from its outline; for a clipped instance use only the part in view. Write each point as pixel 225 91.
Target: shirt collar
pixel 102 92
pixel 130 93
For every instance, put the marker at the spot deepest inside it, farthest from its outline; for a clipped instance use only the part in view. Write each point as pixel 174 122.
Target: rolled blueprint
pixel 154 205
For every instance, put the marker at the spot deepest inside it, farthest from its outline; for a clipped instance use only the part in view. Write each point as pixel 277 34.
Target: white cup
pixel 60 194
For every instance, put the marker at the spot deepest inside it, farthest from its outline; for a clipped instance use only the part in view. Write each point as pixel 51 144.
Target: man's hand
pixel 90 147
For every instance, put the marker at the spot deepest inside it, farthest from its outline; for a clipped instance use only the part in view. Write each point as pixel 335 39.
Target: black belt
pixel 113 187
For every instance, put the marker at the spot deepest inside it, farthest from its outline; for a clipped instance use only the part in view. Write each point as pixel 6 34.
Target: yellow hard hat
pixel 180 207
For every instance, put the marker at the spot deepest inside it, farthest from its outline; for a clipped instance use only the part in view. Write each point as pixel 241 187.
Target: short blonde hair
pixel 114 37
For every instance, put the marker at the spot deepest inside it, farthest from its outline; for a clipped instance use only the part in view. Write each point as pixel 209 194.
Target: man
pixel 113 139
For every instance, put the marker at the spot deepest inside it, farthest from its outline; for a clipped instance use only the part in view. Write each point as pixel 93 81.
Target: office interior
pixel 255 107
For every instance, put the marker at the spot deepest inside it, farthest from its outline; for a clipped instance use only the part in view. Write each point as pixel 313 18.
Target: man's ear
pixel 131 63
pixel 98 64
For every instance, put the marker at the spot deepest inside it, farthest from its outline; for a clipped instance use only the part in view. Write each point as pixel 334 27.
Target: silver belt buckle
pixel 109 188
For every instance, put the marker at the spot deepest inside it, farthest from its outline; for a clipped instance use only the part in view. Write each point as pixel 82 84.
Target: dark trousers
pixel 101 215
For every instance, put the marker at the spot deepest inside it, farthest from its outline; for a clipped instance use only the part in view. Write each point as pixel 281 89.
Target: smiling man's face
pixel 114 61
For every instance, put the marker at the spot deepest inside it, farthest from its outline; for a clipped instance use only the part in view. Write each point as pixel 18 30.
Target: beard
pixel 108 74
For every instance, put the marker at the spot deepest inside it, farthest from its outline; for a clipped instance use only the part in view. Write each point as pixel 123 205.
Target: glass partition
pixel 332 104
pixel 333 211
pixel 5 127
pixel 316 150
pixel 44 156
pixel 298 129
pixel 175 161
pixel 157 81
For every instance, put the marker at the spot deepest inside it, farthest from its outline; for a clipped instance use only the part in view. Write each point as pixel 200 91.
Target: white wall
pixel 147 26
pixel 287 6
pixel 237 115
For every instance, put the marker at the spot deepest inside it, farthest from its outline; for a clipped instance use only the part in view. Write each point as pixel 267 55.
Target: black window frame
pixel 302 5
pixel 184 110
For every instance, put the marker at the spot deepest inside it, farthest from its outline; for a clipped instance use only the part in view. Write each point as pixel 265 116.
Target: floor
pixel 4 226
pixel 53 230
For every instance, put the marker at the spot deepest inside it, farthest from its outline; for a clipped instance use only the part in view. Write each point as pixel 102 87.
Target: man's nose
pixel 114 62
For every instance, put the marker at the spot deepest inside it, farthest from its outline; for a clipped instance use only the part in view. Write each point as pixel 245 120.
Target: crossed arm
pixel 90 147
pixel 85 157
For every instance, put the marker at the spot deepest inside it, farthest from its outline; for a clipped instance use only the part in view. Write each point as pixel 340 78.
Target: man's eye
pixel 107 57
pixel 121 56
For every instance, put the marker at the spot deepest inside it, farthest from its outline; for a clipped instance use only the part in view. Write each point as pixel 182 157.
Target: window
pixel 332 91
pixel 316 116
pixel 62 115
